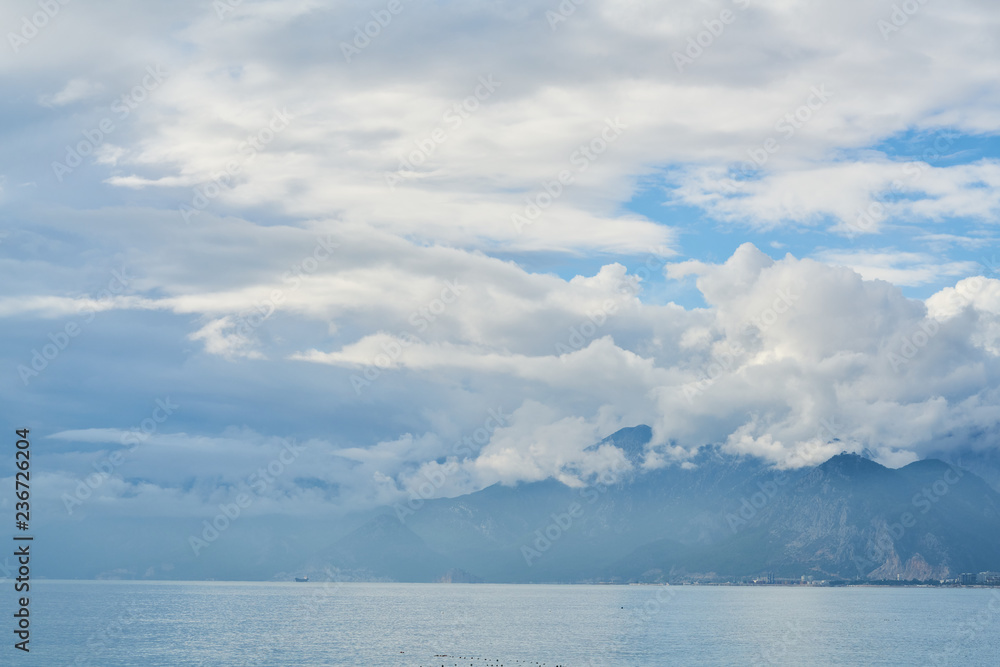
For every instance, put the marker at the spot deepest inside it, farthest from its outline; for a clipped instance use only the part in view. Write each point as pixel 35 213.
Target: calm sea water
pixel 147 624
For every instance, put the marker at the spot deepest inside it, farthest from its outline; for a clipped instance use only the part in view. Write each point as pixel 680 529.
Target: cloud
pixel 852 198
pixel 792 360
pixel 900 268
pixel 74 91
pixel 353 123
pixel 552 219
pixel 224 337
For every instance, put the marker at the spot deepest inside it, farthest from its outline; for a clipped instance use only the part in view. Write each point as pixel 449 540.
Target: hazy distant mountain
pixel 723 516
pixel 986 462
pixel 718 516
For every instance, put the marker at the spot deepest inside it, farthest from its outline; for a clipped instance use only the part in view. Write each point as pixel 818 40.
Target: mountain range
pixel 715 517
pixel 718 517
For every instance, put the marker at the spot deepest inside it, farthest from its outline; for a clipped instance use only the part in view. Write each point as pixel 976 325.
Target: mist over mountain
pixel 716 517
pixel 720 517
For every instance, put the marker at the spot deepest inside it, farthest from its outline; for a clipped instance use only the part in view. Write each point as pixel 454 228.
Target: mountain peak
pixel 852 464
pixel 632 440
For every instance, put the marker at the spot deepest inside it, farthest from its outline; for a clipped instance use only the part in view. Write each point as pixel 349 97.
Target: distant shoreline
pixel 512 583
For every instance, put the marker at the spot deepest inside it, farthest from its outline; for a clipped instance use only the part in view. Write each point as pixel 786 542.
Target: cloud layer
pixel 459 245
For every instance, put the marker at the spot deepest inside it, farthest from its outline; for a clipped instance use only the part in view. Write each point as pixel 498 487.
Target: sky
pixel 398 243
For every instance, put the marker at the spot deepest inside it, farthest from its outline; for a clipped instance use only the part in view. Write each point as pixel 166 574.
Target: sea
pixel 146 624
